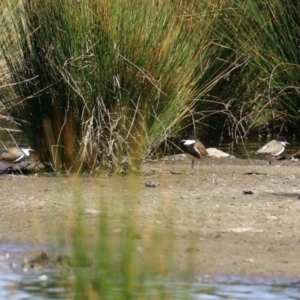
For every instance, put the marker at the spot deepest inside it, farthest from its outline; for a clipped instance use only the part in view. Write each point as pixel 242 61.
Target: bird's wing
pixel 19 159
pixel 2 151
pixel 201 148
pixel 4 155
pixel 267 147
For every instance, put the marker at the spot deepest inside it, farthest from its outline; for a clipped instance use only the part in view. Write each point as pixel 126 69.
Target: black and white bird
pixel 193 149
pixel 16 154
pixel 273 149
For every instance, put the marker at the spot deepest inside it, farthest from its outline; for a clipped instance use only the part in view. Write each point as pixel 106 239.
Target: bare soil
pixel 236 217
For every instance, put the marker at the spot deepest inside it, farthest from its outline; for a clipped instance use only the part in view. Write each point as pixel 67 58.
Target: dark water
pixel 10 135
pixel 240 148
pixel 246 148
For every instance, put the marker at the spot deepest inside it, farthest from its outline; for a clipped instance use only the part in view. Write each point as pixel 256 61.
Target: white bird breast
pixel 26 151
pixel 189 142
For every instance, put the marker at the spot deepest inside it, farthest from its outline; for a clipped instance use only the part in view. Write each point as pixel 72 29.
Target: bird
pixel 273 149
pixel 193 149
pixel 16 154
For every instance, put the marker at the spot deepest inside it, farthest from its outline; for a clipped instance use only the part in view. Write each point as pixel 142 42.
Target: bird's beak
pixel 287 143
pixel 30 149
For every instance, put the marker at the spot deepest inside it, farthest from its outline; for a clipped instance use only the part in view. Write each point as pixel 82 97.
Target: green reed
pixel 261 91
pixel 102 83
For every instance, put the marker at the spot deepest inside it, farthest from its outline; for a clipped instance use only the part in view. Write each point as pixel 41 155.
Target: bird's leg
pixel 192 164
pixel 19 169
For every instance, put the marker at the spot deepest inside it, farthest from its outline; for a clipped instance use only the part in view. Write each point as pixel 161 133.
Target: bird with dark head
pixel 273 149
pixel 193 149
pixel 15 154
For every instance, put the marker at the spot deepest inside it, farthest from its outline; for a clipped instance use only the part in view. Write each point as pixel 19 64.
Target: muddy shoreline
pixel 236 217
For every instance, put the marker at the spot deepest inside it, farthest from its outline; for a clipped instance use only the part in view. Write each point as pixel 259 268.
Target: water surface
pixel 42 283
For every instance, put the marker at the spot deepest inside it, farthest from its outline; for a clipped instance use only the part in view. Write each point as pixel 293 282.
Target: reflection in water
pixel 32 286
pixel 19 283
pixel 37 286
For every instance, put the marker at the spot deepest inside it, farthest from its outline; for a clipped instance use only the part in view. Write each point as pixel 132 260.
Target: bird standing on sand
pixel 15 154
pixel 193 149
pixel 273 149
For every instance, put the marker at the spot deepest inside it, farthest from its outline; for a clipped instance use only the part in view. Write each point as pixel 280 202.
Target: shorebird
pixel 15 154
pixel 193 149
pixel 273 149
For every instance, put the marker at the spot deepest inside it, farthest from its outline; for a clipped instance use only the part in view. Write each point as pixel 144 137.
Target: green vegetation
pixel 104 83
pixel 129 257
pixel 260 41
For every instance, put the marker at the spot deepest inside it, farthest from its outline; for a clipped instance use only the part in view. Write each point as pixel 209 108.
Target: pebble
pixel 152 183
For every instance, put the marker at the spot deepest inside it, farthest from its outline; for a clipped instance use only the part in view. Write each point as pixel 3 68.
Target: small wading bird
pixel 273 149
pixel 16 154
pixel 193 149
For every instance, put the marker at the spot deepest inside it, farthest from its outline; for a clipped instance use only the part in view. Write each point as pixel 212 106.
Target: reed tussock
pixel 103 85
pixel 260 93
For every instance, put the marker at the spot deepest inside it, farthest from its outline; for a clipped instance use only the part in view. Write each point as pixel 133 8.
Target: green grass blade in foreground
pixel 132 257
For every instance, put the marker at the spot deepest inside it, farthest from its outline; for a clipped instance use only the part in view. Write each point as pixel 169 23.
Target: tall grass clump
pixel 103 83
pixel 261 93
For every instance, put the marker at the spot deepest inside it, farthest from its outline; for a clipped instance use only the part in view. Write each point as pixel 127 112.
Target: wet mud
pixel 235 217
